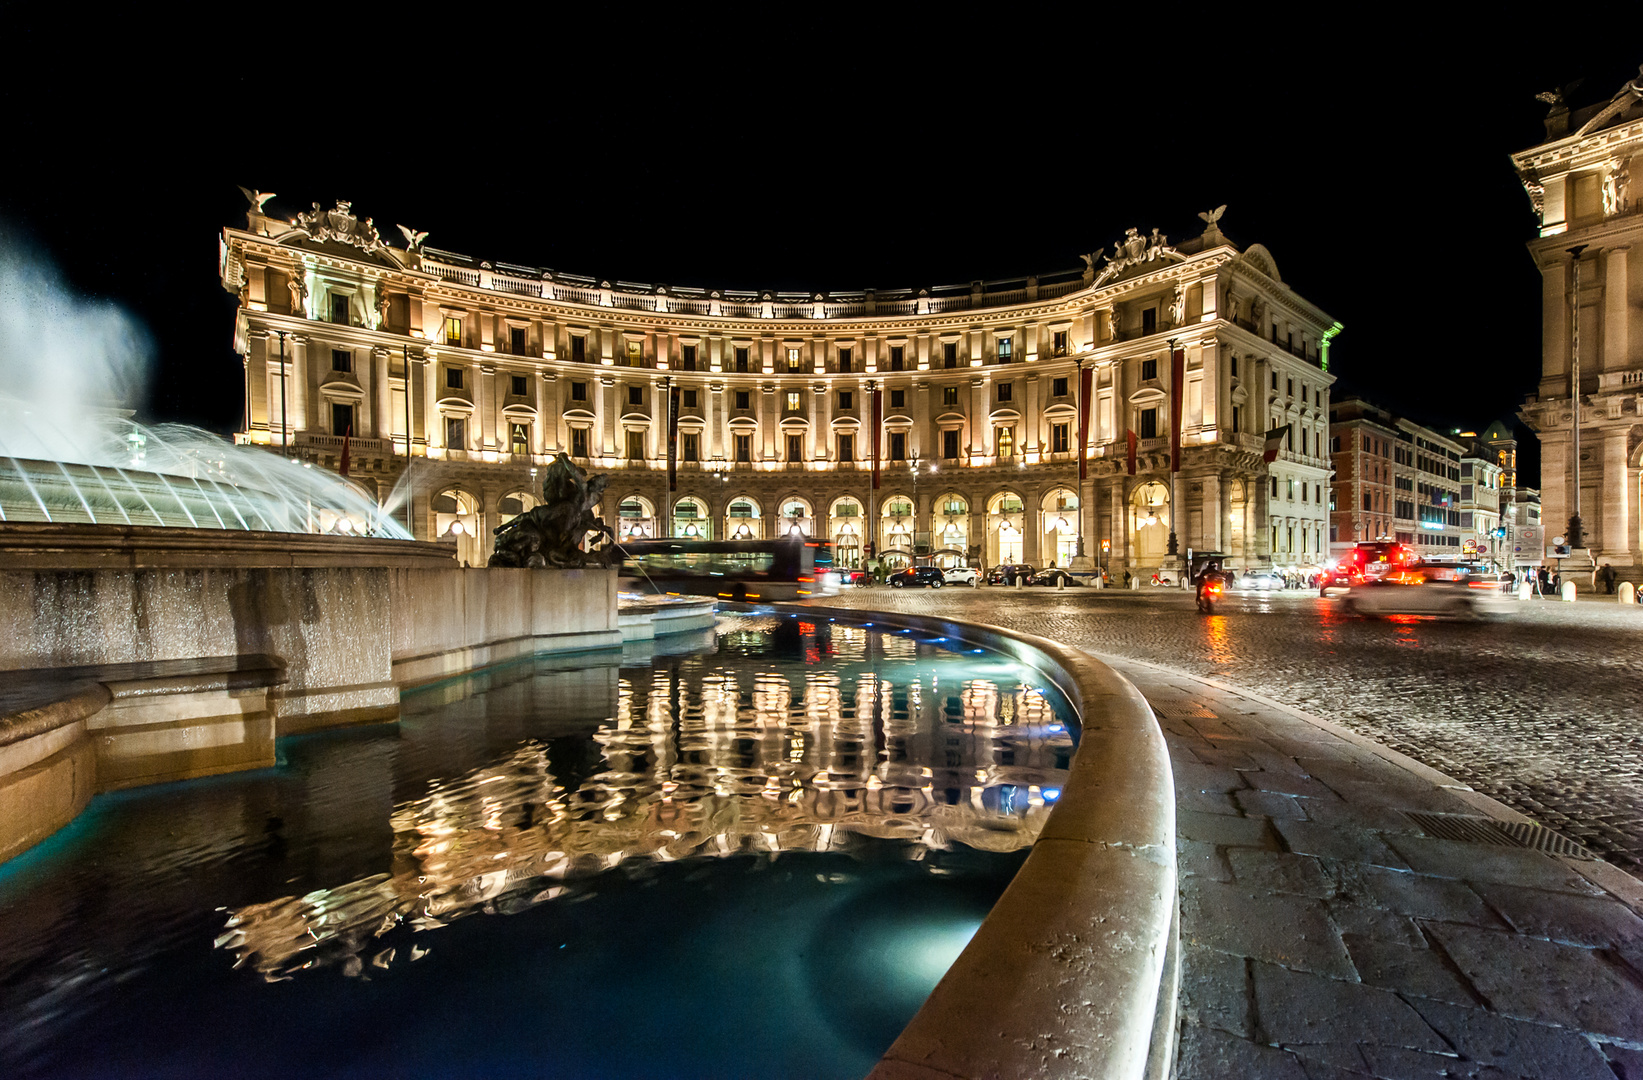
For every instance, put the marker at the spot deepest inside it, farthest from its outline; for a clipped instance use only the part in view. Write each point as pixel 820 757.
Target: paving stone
pixel 1398 1063
pixel 1516 1047
pixel 1290 783
pixel 1545 981
pixel 1487 862
pixel 1290 930
pixel 1373 922
pixel 1421 895
pixel 1205 802
pixel 1331 1061
pixel 1405 796
pixel 1579 920
pixel 1268 803
pixel 1208 1054
pixel 1280 872
pixel 1294 1008
pixel 1331 809
pixel 1347 843
pixel 1226 758
pixel 1215 990
pixel 1420 972
pixel 1626 1061
pixel 1194 858
pixel 1204 777
pixel 1222 829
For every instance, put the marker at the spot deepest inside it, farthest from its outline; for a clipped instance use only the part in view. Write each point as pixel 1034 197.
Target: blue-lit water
pixel 752 860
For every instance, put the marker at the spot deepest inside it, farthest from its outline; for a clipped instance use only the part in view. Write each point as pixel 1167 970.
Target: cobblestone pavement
pixel 1539 709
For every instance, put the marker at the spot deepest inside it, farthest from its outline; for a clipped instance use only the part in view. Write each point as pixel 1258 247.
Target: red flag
pixel 1274 443
pixel 1084 421
pixel 878 423
pixel 673 438
pixel 1177 391
pixel 1129 437
pixel 343 468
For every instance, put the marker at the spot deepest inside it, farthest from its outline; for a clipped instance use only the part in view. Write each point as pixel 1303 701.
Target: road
pixel 1541 709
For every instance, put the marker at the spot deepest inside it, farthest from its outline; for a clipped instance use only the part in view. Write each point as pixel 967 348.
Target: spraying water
pixel 74 370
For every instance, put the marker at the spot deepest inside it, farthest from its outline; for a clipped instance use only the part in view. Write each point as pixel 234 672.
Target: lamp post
pixel 914 468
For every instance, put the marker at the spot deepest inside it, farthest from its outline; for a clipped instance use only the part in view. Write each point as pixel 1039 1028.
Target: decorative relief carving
pixel 1134 250
pixel 339 225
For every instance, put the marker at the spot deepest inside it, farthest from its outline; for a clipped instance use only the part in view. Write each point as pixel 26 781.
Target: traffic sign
pixel 1483 549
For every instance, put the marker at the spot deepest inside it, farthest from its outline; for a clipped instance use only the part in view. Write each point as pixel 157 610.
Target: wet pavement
pixel 1349 911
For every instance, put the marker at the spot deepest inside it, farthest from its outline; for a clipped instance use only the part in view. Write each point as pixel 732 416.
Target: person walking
pixel 1606 576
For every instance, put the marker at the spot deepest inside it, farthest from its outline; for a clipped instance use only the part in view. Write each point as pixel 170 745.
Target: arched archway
pixel 1006 532
pixel 636 519
pixel 1149 524
pixel 950 530
pixel 690 519
pixel 898 530
pixel 743 519
pixel 844 527
pixel 1058 526
pixel 457 514
pixel 795 517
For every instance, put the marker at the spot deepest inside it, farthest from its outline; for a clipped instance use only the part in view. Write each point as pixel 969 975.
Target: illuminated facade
pixel 979 424
pixel 1579 183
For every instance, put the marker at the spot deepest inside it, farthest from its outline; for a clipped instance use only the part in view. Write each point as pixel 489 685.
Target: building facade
pixel 1396 480
pixel 1590 256
pixel 1006 421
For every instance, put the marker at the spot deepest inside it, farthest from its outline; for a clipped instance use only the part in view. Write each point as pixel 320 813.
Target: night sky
pixel 1375 170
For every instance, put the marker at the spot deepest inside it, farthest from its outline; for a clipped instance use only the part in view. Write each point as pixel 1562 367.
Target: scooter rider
pixel 1210 571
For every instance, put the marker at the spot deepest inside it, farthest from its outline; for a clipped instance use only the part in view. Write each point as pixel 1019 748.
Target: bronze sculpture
pixel 551 535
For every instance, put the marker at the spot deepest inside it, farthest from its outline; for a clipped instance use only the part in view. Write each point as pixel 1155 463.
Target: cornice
pixel 1575 151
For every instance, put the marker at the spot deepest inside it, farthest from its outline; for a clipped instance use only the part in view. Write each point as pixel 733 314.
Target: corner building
pixel 947 423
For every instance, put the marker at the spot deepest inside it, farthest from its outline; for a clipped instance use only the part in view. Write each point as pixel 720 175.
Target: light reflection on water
pixel 827 807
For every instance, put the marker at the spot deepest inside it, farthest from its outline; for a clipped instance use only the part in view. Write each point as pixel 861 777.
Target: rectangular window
pixel 578 349
pixel 342 360
pixel 1149 423
pixel 1466 492
pixel 949 354
pixel 898 399
pixel 795 448
pixel 1004 441
pixel 898 357
pixel 687 358
pixel 1006 348
pixel 1149 370
pixel 949 395
pixel 743 399
pixel 1237 419
pixel 792 359
pixel 456 433
pixel 1290 489
pixel 453 378
pixel 1060 443
pixel 519 438
pixel 1006 391
pixel 847 400
pixel 845 358
pixel 1058 343
pixel 453 330
pixel 1149 321
pixel 1365 500
pixel 342 419
pixel 689 397
pixel 898 446
pixel 518 385
pixel 579 442
pixel 1289 438
pixel 1275 380
pixel 516 340
pixel 636 445
pixel 1335 444
pixel 1234 367
pixel 635 354
pixel 691 446
pixel 579 391
pixel 1058 388
pixel 847 448
pixel 1289 387
pixel 744 447
pixel 741 359
pixel 792 401
pixel 949 444
pixel 339 309
pixel 636 395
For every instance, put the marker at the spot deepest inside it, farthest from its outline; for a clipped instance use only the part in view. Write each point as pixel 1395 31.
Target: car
pixel 1430 589
pixel 1053 576
pixel 1007 573
pixel 918 576
pixel 1260 581
pixel 854 576
pixel 961 575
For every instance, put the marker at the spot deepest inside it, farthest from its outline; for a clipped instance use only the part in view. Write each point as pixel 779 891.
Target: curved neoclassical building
pixel 999 421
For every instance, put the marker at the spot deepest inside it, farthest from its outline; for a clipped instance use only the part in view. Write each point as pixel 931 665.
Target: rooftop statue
pixel 551 535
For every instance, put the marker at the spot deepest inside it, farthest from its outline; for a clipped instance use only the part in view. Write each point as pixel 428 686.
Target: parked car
pixel 1053 576
pixel 1430 589
pixel 961 575
pixel 918 576
pixel 854 576
pixel 1006 573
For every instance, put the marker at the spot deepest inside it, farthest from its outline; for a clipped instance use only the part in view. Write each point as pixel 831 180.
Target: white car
pixel 1431 589
pixel 959 575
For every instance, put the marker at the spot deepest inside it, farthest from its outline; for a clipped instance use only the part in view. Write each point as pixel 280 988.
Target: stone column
pixel 381 425
pixel 1555 499
pixel 823 433
pixel 1554 326
pixel 981 425
pixel 657 443
pixel 484 377
pixel 761 444
pixel 1616 343
pixel 297 392
pixel 1213 392
pixel 433 432
pixel 1121 556
pixel 1616 541
pixel 1212 513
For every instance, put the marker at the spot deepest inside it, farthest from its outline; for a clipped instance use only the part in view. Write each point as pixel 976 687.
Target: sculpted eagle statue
pixel 1212 216
pixel 255 198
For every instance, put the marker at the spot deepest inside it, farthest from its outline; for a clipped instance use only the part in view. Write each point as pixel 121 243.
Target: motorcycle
pixel 1210 591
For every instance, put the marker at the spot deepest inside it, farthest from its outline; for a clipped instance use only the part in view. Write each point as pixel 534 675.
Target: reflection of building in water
pixel 713 756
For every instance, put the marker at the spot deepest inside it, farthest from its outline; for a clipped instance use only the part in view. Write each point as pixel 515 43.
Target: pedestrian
pixel 1543 581
pixel 1607 576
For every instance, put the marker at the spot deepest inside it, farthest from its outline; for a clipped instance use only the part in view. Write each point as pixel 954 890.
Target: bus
pixel 791 568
